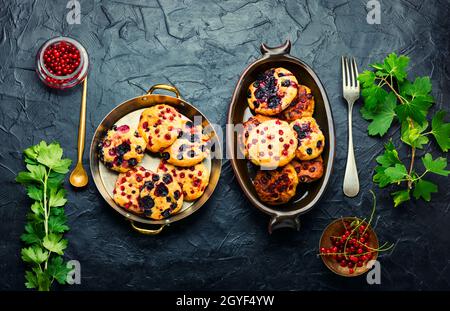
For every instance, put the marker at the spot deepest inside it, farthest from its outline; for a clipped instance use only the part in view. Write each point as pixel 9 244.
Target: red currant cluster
pixel 61 58
pixel 351 249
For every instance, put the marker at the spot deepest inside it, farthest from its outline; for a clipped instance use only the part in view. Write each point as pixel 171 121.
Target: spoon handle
pixel 82 125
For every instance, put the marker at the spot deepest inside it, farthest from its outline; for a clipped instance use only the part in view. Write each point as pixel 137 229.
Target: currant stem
pixel 411 166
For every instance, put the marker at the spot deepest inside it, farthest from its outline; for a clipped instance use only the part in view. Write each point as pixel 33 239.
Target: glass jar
pixel 62 63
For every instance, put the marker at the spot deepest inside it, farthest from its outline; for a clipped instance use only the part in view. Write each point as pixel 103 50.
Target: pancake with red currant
pixel 277 186
pixel 301 106
pixel 310 170
pixel 248 126
pixel 192 180
pixel 160 125
pixel 121 149
pixel 128 185
pixel 272 144
pixel 310 138
pixel 160 197
pixel 272 92
pixel 190 148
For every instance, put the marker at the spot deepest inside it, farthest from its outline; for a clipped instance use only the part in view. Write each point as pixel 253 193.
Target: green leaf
pixel 380 177
pixel 32 152
pixel 396 66
pixel 377 66
pixel 36 208
pixel 418 100
pixel 58 269
pixel 421 87
pixel 37 172
pixel 55 243
pixel 390 155
pixel 43 279
pixel 35 193
pixel 382 118
pixel 437 166
pixel 389 159
pixel 57 224
pixel 55 180
pixel 400 197
pixel 34 254
pixel 441 130
pixel 381 74
pixel 414 109
pixel 424 188
pixel 57 197
pixel 24 178
pixel 62 166
pixel 50 155
pixel 367 78
pixel 31 280
pixel 396 173
pixel 413 136
pixel 57 211
pixel 373 97
pixel 32 235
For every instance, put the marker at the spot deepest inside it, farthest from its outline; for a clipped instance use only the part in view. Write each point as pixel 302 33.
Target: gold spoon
pixel 78 177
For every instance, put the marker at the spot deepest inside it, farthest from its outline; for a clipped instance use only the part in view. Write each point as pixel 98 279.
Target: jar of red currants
pixel 62 63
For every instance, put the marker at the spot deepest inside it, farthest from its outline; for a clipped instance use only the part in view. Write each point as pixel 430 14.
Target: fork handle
pixel 351 180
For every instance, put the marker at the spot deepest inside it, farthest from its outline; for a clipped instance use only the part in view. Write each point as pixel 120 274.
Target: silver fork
pixel 350 90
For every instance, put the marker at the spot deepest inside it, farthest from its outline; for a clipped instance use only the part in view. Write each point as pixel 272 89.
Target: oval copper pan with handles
pixel 307 194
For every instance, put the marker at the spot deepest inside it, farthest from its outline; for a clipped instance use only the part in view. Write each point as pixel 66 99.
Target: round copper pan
pixel 129 107
pixel 308 194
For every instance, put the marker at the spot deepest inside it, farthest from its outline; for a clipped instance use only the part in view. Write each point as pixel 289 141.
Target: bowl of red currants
pixel 62 63
pixel 348 245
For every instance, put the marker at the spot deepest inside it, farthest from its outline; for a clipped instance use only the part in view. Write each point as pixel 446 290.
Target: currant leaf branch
pixel 46 224
pixel 389 96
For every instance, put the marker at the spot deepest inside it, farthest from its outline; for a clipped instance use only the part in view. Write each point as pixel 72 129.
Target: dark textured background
pixel 202 47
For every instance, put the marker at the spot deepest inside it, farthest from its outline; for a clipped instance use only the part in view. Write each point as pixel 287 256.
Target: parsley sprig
pixel 47 221
pixel 389 96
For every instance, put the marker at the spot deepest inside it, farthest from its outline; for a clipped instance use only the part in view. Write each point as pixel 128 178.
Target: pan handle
pixel 165 87
pixel 278 222
pixel 147 231
pixel 285 48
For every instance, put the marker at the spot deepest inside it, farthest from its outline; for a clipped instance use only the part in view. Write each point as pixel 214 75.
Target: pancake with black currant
pixel 128 186
pixel 271 144
pixel 159 125
pixel 193 180
pixel 301 106
pixel 272 92
pixel 190 148
pixel 277 186
pixel 309 170
pixel 310 138
pixel 248 126
pixel 161 196
pixel 121 149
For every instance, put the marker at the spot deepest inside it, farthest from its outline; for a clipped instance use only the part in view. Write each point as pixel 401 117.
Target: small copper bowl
pixel 336 228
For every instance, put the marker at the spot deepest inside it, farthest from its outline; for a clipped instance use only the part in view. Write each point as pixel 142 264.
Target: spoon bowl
pixel 79 177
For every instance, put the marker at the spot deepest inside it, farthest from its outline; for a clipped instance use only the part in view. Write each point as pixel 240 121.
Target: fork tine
pixel 352 72
pixel 355 66
pixel 343 72
pixel 347 70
